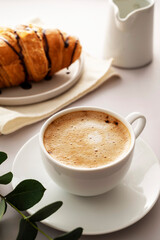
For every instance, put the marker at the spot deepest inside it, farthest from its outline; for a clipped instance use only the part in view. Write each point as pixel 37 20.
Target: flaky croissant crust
pixel 31 53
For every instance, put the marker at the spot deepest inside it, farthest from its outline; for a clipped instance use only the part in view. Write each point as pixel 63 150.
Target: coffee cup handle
pixel 141 122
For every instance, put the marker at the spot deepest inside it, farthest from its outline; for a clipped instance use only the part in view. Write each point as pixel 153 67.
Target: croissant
pixel 31 53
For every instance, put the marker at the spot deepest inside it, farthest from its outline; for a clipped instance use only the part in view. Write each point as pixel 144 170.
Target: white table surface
pixel 137 90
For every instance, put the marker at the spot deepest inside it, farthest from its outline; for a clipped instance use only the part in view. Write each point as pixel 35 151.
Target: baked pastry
pixel 31 53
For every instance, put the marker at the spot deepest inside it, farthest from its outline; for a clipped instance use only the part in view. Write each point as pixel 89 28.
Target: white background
pixel 136 90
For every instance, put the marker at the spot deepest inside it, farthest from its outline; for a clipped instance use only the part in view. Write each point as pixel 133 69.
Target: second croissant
pixel 30 53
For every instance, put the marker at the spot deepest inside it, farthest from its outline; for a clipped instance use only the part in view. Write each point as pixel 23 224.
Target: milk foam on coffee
pixel 86 139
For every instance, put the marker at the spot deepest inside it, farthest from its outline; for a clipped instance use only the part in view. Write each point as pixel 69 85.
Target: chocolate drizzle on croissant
pixel 74 49
pixel 30 53
pixel 66 42
pixel 20 54
pixel 46 48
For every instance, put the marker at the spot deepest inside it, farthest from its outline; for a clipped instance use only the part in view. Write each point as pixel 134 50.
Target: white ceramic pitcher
pixel 129 32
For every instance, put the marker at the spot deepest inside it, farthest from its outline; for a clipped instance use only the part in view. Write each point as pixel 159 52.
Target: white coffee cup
pixel 91 181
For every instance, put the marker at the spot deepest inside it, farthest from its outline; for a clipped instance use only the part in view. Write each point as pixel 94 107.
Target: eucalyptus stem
pixel 26 218
pixel 40 230
pixel 15 209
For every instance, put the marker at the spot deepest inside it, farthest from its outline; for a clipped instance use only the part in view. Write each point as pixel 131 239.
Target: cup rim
pixel 86 108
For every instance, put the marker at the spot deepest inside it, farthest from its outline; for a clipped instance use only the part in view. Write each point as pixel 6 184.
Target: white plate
pixel 44 90
pixel 115 210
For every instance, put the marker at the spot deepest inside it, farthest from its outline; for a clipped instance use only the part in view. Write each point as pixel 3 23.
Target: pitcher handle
pixel 141 122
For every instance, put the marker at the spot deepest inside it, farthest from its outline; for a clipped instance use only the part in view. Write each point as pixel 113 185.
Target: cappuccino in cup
pixel 88 150
pixel 86 139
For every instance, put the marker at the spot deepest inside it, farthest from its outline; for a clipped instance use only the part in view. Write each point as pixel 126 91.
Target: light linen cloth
pixel 96 71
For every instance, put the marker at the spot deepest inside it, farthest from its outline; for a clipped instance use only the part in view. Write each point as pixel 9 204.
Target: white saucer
pixel 44 90
pixel 115 210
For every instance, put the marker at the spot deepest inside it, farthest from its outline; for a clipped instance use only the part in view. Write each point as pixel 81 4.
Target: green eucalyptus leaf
pixel 5 207
pixel 26 194
pixel 73 235
pixel 2 208
pixel 26 231
pixel 45 212
pixel 3 157
pixel 6 178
